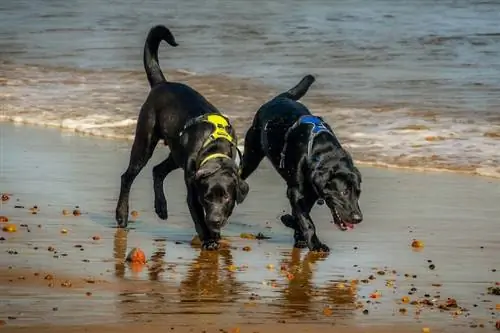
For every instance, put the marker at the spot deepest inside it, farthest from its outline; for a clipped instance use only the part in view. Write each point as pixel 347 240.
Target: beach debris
pixel 96 237
pixel 137 256
pixel 88 293
pixel 259 236
pixel 234 330
pixel 432 267
pixel 34 209
pixel 497 325
pixel 49 277
pixel 51 249
pixel 66 284
pixel 247 236
pixel 417 244
pixel 77 212
pixel 66 212
pixel 9 228
pixel 64 231
pixel 405 299
pixel 134 214
pixel 494 290
pixel 327 311
pixel 247 248
pixel 18 206
pixel 4 219
pixel 365 311
pixel 270 266
pixel 5 197
pixel 375 295
pixel 426 330
pixel 2 322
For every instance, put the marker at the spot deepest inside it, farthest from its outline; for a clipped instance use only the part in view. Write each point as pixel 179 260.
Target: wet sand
pixel 85 285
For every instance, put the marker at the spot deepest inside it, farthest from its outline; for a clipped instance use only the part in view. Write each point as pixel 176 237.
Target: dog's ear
pixel 358 174
pixel 242 190
pixel 207 170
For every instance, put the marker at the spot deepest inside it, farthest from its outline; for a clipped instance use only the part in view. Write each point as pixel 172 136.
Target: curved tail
pixel 300 89
pixel 150 59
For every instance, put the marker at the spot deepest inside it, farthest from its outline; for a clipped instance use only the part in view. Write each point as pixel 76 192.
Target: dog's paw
pixel 289 221
pixel 121 218
pixel 300 244
pixel 210 245
pixel 300 241
pixel 322 248
pixel 161 210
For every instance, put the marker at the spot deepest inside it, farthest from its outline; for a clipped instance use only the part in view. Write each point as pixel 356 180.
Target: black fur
pixel 214 188
pixel 328 173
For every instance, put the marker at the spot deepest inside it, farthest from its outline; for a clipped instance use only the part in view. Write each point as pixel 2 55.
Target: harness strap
pixel 212 156
pixel 221 131
pixel 318 126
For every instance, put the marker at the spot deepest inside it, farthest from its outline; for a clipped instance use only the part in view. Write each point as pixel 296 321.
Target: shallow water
pixel 412 84
pixel 454 216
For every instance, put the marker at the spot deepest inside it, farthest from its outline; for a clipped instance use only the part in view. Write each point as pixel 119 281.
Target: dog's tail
pixel 300 89
pixel 150 59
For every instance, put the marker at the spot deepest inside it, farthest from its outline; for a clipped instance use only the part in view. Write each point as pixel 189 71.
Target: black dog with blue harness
pixel 306 153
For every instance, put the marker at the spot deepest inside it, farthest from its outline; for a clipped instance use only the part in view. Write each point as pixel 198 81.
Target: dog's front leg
pixel 209 240
pixel 300 211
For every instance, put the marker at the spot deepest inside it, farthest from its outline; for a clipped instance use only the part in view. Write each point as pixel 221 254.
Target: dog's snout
pixel 357 218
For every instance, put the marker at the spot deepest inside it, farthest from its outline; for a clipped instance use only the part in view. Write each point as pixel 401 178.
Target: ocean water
pixel 403 83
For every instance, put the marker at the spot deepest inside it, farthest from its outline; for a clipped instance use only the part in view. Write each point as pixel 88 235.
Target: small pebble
pixel 365 311
pixel 432 266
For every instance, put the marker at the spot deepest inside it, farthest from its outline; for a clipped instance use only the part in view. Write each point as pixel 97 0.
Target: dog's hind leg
pixel 142 149
pixel 160 172
pixel 253 154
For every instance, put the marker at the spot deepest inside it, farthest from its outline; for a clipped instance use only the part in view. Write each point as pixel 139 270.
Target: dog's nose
pixel 357 218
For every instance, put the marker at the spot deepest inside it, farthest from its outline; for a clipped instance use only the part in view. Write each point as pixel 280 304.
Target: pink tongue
pixel 348 226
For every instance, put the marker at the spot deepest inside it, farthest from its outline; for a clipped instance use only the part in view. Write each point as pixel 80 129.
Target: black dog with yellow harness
pixel 201 141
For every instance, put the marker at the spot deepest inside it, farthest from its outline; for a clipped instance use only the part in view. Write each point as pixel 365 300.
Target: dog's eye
pixel 345 192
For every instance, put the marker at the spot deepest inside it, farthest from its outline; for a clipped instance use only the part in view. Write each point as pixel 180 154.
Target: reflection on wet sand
pixel 302 299
pixel 157 264
pixel 120 251
pixel 211 278
pixel 210 285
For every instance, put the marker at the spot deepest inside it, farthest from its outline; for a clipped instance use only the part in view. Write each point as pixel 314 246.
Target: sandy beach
pixel 62 273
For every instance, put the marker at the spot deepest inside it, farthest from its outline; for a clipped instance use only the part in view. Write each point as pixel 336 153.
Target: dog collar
pixel 211 157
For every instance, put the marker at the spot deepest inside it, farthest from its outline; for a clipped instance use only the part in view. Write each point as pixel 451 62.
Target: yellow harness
pixel 221 131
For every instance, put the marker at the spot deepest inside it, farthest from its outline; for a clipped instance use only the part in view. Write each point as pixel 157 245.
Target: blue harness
pixel 318 126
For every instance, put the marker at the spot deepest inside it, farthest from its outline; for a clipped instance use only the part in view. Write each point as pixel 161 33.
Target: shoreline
pixel 129 138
